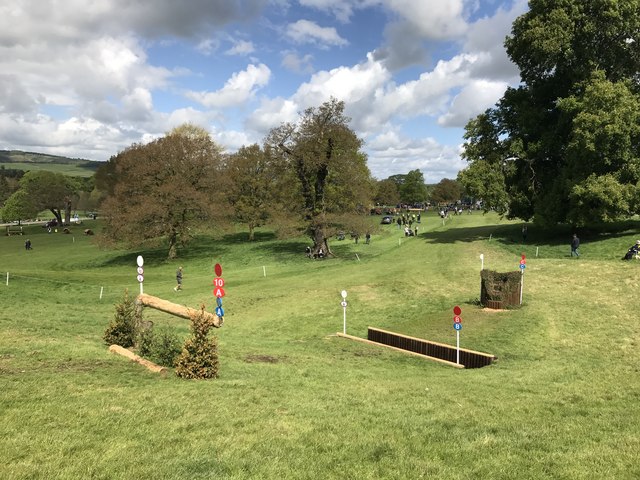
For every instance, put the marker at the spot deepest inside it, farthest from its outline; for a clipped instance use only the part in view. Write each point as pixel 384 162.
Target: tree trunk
pixel 173 250
pixel 320 242
pixel 251 229
pixel 57 214
pixel 67 211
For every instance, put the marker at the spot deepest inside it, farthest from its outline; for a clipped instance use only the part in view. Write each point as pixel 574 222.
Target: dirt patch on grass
pixel 493 310
pixel 261 359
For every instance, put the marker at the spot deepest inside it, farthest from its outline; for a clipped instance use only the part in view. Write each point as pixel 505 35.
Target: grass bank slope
pixel 295 401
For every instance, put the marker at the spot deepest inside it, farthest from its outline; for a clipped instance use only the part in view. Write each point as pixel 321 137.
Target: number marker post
pixel 523 265
pixel 218 291
pixel 457 325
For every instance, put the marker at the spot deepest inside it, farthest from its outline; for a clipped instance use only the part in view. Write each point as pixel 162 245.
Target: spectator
pixel 575 244
pixel 178 279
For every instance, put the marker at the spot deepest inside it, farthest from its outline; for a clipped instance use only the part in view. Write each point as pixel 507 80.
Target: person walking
pixel 575 244
pixel 367 238
pixel 178 279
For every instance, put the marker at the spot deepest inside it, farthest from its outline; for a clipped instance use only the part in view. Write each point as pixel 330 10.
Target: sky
pixel 88 78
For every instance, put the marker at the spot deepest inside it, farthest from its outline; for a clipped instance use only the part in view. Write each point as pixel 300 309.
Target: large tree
pixel 413 189
pixel 44 190
pixel 446 191
pixel 18 207
pixel 558 146
pixel 251 184
pixel 325 180
pixel 163 191
pixel 387 192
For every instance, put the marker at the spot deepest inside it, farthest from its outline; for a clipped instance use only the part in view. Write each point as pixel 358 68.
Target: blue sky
pixel 87 78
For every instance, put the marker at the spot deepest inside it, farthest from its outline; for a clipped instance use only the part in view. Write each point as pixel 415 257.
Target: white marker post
pixel 344 311
pixel 482 261
pixel 264 271
pixel 7 279
pixel 101 290
pixel 140 262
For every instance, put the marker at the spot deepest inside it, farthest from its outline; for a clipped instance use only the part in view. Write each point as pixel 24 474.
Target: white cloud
pixel 296 63
pixel 237 90
pixel 241 47
pixel 434 19
pixel 270 114
pixel 350 84
pixel 305 31
pixel 391 153
pixel 474 99
pixel 342 9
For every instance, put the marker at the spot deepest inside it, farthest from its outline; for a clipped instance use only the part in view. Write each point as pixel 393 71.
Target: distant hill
pixel 19 160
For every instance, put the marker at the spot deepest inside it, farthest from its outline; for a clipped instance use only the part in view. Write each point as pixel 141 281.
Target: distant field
pixel 66 169
pixel 293 400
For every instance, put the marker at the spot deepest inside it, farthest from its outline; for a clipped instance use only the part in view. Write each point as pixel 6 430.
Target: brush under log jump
pixel 175 309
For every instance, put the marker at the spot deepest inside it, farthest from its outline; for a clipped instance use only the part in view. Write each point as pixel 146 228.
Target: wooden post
pixel 129 354
pixel 175 309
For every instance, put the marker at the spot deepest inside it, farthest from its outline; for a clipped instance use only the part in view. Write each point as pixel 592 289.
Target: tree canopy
pixel 446 191
pixel 326 184
pixel 163 191
pixel 42 190
pixel 564 146
pixel 251 186
pixel 413 189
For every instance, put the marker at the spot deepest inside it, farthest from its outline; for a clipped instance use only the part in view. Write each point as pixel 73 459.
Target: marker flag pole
pixel 101 290
pixel 458 347
pixel 264 271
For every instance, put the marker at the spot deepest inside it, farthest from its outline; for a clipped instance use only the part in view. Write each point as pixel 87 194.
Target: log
pixel 129 354
pixel 175 309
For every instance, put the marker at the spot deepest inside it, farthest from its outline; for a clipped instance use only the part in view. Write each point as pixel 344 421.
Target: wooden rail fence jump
pixel 175 309
pixel 167 307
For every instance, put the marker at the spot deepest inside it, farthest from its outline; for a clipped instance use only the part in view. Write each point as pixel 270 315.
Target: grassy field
pixel 66 169
pixel 295 401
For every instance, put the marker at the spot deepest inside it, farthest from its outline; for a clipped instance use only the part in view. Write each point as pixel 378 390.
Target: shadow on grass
pixel 511 235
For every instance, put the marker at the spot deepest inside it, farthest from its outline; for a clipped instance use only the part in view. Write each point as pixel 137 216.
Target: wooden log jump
pixel 129 354
pixel 175 309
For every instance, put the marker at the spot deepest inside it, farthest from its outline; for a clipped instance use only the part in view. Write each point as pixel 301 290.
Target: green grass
pixel 73 170
pixel 562 402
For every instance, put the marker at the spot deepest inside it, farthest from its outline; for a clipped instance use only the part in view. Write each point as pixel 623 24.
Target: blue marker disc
pixel 219 312
pixel 219 301
pixel 522 266
pixel 457 326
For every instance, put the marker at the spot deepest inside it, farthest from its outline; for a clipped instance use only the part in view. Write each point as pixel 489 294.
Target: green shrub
pixel 123 327
pixel 144 340
pixel 165 348
pixel 199 357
